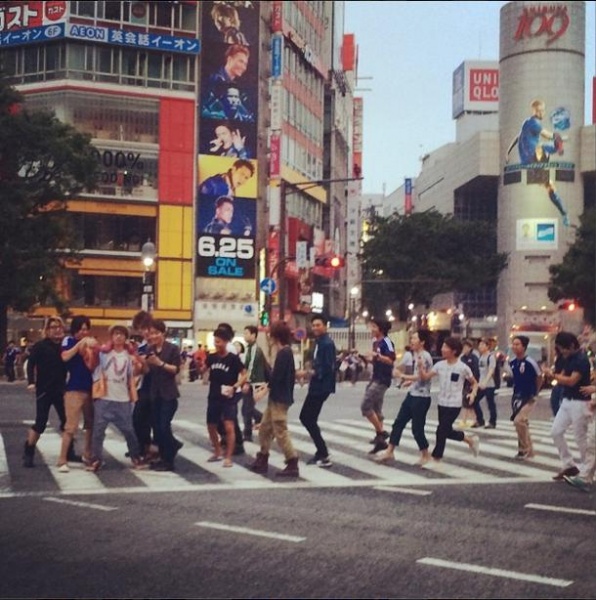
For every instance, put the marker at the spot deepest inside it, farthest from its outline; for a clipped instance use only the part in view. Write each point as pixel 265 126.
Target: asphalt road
pixel 477 528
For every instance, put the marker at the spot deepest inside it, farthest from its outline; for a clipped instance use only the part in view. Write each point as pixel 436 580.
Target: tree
pixel 574 278
pixel 43 163
pixel 411 259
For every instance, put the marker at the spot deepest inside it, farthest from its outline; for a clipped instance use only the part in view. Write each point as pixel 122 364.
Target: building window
pixel 96 290
pixel 117 233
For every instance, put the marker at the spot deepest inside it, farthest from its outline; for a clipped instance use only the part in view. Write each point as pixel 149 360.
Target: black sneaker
pixel 313 461
pixel 162 466
pixel 380 444
pixel 324 463
pixel 384 434
pixel 28 454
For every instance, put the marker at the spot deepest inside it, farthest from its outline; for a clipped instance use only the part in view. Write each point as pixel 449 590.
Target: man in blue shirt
pixel 322 384
pixel 382 358
pixel 527 379
pixel 574 411
pixel 80 358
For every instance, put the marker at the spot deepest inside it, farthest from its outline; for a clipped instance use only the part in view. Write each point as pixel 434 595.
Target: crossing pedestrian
pixel 257 370
pixel 452 374
pixel 10 359
pixel 527 379
pixel 117 393
pixel 79 354
pixel 281 396
pixel 163 359
pixel 487 365
pixel 575 410
pixel 46 375
pixel 321 385
pixel 469 357
pixel 142 416
pixel 226 374
pixel 382 358
pixel 417 401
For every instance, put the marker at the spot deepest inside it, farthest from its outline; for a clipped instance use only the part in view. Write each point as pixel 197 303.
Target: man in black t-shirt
pixel 226 374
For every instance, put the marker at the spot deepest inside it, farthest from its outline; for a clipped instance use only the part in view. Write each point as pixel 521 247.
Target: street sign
pixel 300 334
pixel 268 286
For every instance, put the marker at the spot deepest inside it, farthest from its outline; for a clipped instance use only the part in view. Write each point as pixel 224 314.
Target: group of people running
pixel 134 387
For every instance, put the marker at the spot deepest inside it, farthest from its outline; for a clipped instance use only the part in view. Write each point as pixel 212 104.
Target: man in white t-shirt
pixel 452 374
pixel 116 369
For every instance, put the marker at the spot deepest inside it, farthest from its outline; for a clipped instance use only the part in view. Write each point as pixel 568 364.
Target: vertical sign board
pixel 227 174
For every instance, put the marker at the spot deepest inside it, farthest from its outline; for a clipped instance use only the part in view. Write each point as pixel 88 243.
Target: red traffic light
pixel 330 262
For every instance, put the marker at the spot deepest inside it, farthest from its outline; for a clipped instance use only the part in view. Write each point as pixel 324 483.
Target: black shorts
pixel 221 410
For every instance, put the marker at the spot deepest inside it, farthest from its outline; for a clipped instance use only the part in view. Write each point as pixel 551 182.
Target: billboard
pixel 25 15
pixel 227 168
pixel 475 87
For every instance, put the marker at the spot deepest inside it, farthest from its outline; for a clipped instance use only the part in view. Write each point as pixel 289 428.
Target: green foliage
pixel 413 258
pixel 574 278
pixel 43 163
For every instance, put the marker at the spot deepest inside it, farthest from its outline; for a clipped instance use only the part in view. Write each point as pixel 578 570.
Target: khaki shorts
pixel 373 399
pixel 75 404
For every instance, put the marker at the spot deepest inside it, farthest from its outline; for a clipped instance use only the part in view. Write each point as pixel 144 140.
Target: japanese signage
pixel 133 38
pixel 16 16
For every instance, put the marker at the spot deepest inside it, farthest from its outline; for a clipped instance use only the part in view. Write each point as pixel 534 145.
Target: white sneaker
pixel 63 468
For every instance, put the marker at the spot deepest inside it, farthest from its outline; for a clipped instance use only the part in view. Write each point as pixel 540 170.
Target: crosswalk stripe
pixel 383 472
pixel 4 472
pixel 78 479
pixel 348 445
pixel 461 453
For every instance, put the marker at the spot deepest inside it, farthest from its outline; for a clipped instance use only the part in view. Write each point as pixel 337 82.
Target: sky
pixel 407 52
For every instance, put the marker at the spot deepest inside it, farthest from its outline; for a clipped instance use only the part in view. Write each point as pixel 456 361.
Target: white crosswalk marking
pixel 348 442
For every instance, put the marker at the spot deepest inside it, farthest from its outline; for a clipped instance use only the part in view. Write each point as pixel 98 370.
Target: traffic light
pixel 264 318
pixel 569 305
pixel 333 261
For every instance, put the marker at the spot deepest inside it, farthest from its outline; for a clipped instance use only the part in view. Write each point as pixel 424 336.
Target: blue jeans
pixel 413 408
pixel 489 394
pixel 162 412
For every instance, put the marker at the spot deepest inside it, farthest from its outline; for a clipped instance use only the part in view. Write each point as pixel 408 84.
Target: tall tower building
pixel 541 191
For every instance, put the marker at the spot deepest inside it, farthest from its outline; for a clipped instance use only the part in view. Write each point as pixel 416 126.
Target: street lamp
pixel 354 293
pixel 148 255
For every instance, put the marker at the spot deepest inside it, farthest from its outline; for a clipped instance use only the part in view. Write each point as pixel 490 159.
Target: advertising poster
pixel 535 156
pixel 227 180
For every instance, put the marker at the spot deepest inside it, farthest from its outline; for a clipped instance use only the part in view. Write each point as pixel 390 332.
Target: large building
pixel 223 134
pixel 533 190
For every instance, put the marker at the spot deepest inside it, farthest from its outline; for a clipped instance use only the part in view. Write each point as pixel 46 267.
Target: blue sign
pixel 32 35
pixel 268 286
pixel 134 39
pixel 545 232
pixel 408 185
pixel 276 55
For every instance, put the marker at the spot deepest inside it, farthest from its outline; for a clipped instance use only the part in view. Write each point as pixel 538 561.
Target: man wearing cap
pixel 116 372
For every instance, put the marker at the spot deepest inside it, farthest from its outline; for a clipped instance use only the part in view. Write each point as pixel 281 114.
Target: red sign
pixel 484 85
pixel 275 156
pixel 31 14
pixel 276 16
pixel 550 20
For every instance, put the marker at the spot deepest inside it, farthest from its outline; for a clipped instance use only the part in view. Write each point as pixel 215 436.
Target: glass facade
pixel 104 291
pixel 121 233
pixel 101 63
